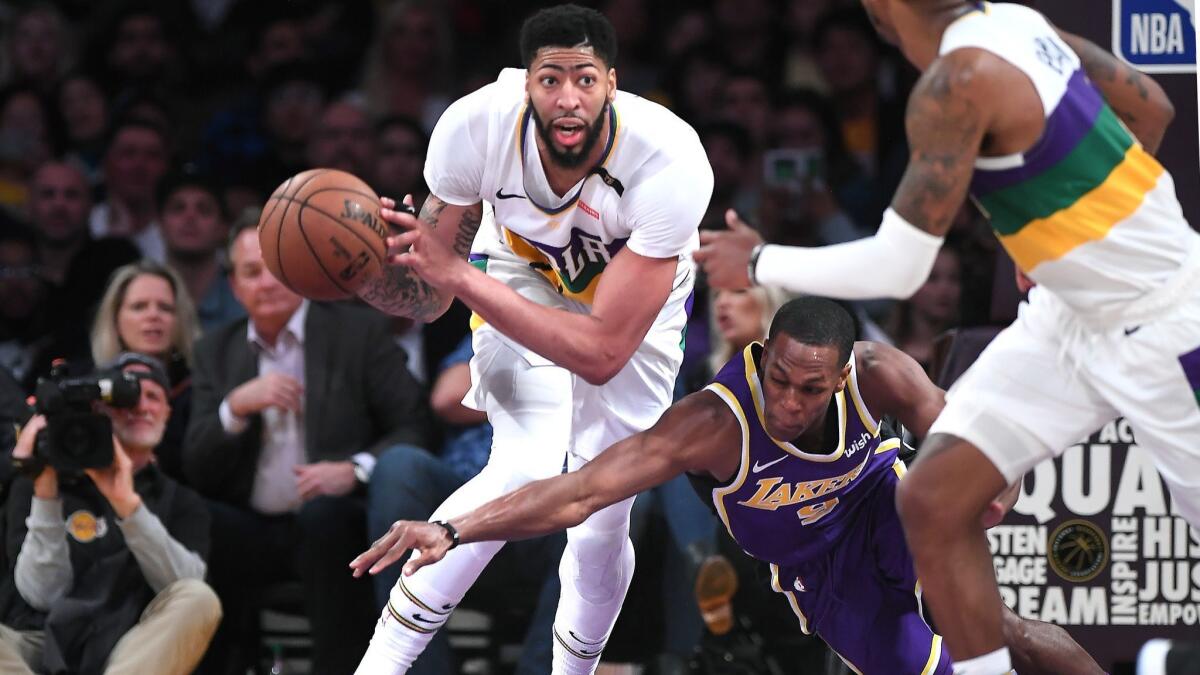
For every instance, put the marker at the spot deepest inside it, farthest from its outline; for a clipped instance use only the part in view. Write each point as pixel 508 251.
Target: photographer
pixel 109 564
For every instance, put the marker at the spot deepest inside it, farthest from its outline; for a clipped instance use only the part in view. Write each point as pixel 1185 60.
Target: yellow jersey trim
pixel 935 655
pixel 1091 217
pixel 791 598
pixel 868 421
pixel 718 494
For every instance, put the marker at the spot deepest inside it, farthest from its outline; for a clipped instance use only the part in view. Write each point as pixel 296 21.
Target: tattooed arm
pixel 399 291
pixel 1136 98
pixel 945 121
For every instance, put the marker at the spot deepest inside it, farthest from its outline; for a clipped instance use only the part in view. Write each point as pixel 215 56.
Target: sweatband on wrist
pixel 891 264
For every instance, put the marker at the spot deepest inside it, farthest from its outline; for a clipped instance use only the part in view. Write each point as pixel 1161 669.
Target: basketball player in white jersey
pixel 580 282
pixel 1052 137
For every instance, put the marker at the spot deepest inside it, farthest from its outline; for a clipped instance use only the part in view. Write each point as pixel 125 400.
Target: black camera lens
pixel 75 441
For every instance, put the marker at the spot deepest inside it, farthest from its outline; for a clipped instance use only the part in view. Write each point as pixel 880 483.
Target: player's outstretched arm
pixel 946 119
pixel 1042 648
pixel 400 291
pixel 694 434
pixel 1136 98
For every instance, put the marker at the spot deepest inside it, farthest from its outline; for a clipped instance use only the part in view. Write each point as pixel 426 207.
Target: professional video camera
pixel 77 437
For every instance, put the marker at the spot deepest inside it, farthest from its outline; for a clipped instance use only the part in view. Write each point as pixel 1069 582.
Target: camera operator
pixel 110 565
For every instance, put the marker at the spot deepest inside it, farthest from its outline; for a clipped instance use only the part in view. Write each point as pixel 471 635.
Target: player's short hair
pixel 568 26
pixel 816 321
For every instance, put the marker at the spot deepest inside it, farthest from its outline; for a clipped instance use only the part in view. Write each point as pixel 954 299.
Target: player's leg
pixel 949 550
pixel 595 572
pixel 1152 376
pixel 529 404
pixel 1040 647
pixel 1020 403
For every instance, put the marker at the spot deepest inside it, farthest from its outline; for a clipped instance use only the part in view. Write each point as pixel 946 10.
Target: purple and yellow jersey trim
pixel 784 505
pixel 575 269
pixel 1085 175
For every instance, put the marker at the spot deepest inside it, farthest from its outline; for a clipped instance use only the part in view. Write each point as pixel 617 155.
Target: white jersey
pixel 1086 212
pixel 649 192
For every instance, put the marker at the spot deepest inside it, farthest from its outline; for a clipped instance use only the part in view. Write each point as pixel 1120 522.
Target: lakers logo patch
pixel 85 527
pixel 1078 551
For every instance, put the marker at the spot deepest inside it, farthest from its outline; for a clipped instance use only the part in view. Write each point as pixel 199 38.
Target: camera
pixel 790 168
pixel 77 437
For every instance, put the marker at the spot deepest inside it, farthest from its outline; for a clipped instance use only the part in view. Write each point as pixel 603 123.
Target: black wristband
pixel 753 264
pixel 450 530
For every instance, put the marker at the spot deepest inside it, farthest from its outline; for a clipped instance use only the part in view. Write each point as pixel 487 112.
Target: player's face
pixel 799 380
pixel 569 90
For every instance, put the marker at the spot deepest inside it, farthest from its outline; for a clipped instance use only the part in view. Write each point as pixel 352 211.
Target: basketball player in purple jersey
pixel 819 508
pixel 1053 138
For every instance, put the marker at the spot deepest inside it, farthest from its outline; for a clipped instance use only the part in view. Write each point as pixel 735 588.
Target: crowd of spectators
pixel 138 141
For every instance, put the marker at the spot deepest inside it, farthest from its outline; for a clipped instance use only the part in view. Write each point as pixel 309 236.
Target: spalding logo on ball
pixel 322 235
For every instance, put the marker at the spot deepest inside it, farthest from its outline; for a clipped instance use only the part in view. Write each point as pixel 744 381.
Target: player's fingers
pixel 421 558
pixel 733 221
pixel 402 242
pixel 387 202
pixel 408 201
pixel 393 554
pixel 402 217
pixel 702 254
pixel 367 558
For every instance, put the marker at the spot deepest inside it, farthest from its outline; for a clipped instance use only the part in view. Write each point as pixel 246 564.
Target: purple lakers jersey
pixel 784 505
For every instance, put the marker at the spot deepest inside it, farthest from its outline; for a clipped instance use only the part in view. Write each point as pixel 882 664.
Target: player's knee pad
pixel 598 567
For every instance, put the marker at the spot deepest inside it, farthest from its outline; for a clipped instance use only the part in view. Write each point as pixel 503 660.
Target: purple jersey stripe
pixel 1071 120
pixel 1191 370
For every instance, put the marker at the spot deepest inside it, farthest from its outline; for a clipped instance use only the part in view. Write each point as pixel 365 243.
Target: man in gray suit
pixel 291 407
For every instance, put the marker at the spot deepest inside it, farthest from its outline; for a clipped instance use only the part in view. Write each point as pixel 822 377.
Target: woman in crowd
pixel 916 323
pixel 146 309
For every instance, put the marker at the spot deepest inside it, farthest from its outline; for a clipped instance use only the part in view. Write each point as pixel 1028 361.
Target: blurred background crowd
pixel 138 139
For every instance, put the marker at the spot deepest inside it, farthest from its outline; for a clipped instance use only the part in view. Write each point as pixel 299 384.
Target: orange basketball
pixel 322 235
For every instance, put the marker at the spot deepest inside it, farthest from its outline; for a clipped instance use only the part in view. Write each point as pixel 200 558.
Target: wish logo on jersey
pixel 575 266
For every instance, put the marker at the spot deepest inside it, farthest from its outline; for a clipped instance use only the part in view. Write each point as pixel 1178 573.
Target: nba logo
pixel 1156 36
pixel 799 585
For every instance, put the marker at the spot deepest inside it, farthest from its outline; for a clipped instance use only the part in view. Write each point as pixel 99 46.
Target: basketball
pixel 322 235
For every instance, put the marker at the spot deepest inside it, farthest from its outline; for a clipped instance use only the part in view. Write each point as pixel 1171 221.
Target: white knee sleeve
pixel 595 571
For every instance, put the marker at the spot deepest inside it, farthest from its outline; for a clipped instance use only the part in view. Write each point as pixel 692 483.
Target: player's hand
pixel 115 482
pixel 1000 506
pixel 271 390
pixel 45 486
pixel 724 254
pixel 325 478
pixel 419 249
pixel 429 541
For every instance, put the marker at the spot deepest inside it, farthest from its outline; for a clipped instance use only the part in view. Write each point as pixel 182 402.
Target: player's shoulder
pixel 656 152
pixel 967 75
